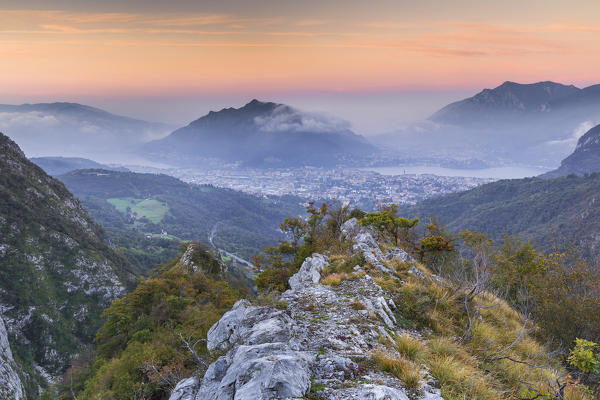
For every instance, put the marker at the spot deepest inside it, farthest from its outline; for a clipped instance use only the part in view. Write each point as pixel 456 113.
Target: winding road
pixel 213 231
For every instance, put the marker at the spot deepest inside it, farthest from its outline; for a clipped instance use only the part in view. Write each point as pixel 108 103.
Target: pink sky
pixel 234 49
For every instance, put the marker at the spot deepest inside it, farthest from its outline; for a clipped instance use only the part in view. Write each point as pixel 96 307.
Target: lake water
pixel 494 173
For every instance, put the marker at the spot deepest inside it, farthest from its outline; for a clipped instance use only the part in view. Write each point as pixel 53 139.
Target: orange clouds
pixel 85 52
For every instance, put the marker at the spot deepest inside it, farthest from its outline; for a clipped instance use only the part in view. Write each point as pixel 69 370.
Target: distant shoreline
pixel 514 172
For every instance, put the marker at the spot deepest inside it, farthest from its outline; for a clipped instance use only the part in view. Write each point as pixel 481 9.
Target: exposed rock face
pixel 309 273
pixel 317 342
pixel 10 383
pixel 57 274
pixel 364 242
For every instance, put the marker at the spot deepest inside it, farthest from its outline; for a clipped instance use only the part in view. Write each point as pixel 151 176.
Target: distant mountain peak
pixel 262 133
pixel 509 98
pixel 258 103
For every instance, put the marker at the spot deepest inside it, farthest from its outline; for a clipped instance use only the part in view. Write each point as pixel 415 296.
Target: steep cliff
pixel 57 272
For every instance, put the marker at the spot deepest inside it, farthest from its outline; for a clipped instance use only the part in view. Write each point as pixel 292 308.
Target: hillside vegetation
pixel 133 206
pixel 354 304
pixel 553 213
pixel 153 337
pixel 480 323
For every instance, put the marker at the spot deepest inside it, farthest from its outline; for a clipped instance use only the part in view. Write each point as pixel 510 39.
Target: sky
pixel 379 64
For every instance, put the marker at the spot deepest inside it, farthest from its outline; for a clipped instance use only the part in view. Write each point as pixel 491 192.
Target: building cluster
pixel 359 187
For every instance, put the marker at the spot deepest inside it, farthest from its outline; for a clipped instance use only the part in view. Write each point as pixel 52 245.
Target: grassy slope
pixel 151 209
pixel 432 321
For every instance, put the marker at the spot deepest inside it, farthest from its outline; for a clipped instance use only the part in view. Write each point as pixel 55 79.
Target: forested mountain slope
pixel 550 212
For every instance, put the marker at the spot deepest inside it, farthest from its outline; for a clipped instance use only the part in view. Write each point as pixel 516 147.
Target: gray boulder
pixel 263 361
pixel 364 243
pixel 309 273
pixel 185 389
pixel 398 254
pixel 363 238
pixel 251 324
pixel 257 372
pixel 368 392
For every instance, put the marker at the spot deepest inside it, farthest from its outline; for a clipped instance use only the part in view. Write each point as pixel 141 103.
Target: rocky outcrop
pixel 364 242
pixel 11 387
pixel 313 342
pixel 309 273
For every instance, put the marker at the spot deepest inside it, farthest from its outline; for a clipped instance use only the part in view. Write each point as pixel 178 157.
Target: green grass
pixel 153 210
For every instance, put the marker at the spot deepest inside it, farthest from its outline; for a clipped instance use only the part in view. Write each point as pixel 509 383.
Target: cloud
pixel 288 119
pixel 578 132
pixel 18 120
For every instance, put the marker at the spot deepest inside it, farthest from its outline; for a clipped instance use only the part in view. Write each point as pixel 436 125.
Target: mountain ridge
pixel 509 97
pixel 61 165
pixel 264 134
pixel 553 213
pixel 74 129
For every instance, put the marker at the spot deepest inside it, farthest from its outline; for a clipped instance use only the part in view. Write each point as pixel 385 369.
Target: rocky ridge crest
pixel 317 342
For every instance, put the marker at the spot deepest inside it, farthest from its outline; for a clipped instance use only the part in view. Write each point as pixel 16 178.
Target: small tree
pixel 437 247
pixel 295 228
pixel 316 216
pixel 388 223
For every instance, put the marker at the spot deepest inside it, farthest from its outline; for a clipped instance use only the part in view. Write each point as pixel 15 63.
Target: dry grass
pixel 411 348
pixel 405 370
pixel 459 380
pixel 357 305
pixel 336 278
pixel 462 367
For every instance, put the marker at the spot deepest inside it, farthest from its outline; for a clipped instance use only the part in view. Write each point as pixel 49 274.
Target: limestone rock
pixel 398 254
pixel 364 243
pixel 368 392
pixel 309 273
pixel 185 389
pixel 262 371
pixel 318 339
pixel 10 383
